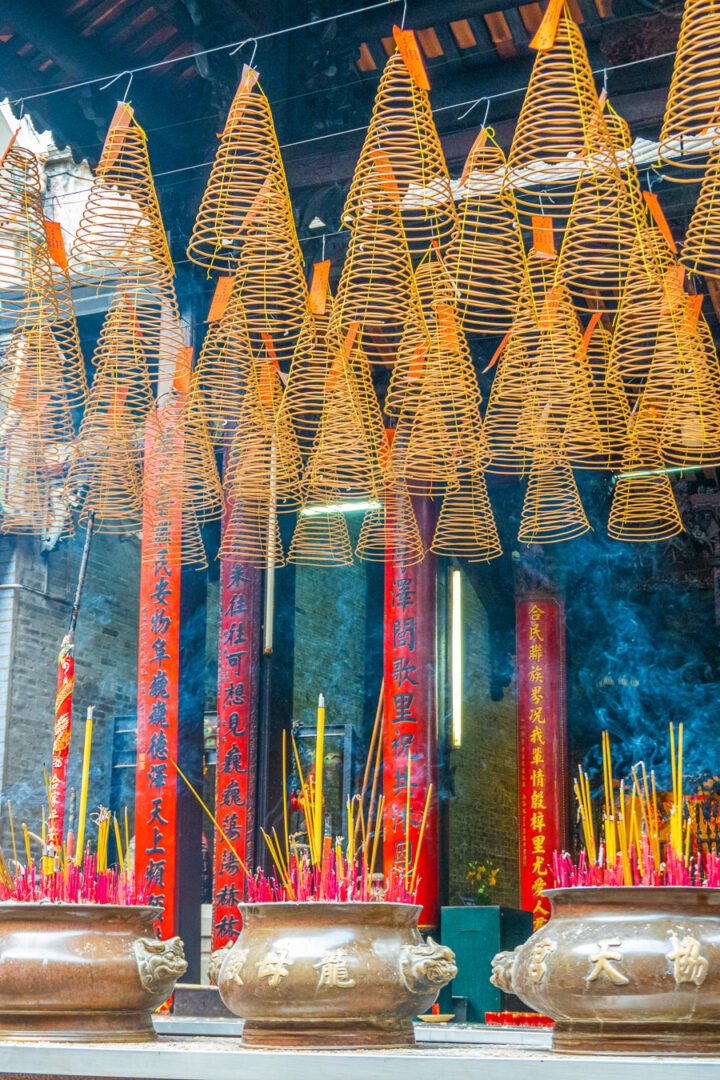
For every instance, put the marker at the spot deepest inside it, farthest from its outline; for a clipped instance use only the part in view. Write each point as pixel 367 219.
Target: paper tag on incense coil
pixel 583 347
pixel 549 310
pixel 412 58
pixel 56 244
pixel 673 291
pixel 385 173
pixel 480 140
pixel 131 306
pixel 247 81
pixel 317 296
pixel 268 370
pixel 659 218
pixel 497 354
pixel 119 127
pixel 417 362
pixel 447 327
pixel 183 370
pixel 543 237
pixel 349 341
pixel 692 311
pixel 220 297
pixel 546 34
pixel 118 403
pixel 255 206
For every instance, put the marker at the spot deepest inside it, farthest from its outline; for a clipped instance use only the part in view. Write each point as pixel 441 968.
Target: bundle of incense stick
pixel 639 846
pixel 73 884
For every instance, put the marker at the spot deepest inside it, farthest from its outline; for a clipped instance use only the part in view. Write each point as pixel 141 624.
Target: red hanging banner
pixel 409 728
pixel 239 622
pixel 158 671
pixel 540 640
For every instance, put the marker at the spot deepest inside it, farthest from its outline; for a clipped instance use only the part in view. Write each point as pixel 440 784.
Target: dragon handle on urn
pixel 427 967
pixel 160 964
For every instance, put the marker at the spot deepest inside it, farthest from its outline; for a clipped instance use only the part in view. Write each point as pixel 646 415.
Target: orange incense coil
pixel 552 510
pixel 121 235
pixel 252 535
pixel 105 475
pixel 691 127
pixel 485 256
pixel 121 366
pixel 643 505
pixel 549 144
pixel 510 387
pixel 690 432
pixel 223 369
pixel 304 397
pixel 389 532
pixel 602 227
pixel 29 494
pixel 321 537
pixel 369 407
pixel 409 364
pixel 25 271
pixel 701 250
pixel 190 474
pixel 272 292
pixel 65 333
pixel 376 284
pixel 610 412
pixel 247 190
pixel 403 150
pixel 466 525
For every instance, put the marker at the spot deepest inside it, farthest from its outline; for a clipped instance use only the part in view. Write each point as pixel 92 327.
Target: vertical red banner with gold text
pixel 409 662
pixel 158 673
pixel 540 640
pixel 239 600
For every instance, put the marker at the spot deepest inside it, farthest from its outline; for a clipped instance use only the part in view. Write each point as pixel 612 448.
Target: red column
pixel 410 724
pixel 158 671
pixel 238 651
pixel 540 639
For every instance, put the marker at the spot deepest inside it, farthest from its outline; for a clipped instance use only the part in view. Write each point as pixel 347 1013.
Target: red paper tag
pixel 673 288
pixel 410 52
pixel 447 326
pixel 417 363
pixel 544 38
pixel 659 218
pixel 350 339
pixel 247 80
pixel 268 343
pixel 220 297
pixel 480 141
pixel 317 296
pixel 131 305
pixel 692 311
pixel 183 370
pixel 594 320
pixel 543 237
pixel 496 355
pixel 385 173
pixel 119 126
pixel 56 244
pixel 548 314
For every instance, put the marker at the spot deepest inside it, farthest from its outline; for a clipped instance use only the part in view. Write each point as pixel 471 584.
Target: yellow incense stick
pixel 84 786
pixel 118 844
pixel 212 818
pixel 319 757
pixel 12 836
pixel 285 812
pixel 378 820
pixel 127 842
pixel 407 820
pixel 416 861
pixel 27 845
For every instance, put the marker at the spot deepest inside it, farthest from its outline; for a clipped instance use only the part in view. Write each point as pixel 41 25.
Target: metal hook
pixel 127 88
pixel 22 109
pixel 474 106
pixel 242 45
pixel 605 80
pixel 115 79
pixel 323 248
pixel 652 176
pixel 404 14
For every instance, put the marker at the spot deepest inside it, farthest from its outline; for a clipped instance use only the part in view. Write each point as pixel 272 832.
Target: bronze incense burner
pixel 83 972
pixel 324 974
pixel 624 970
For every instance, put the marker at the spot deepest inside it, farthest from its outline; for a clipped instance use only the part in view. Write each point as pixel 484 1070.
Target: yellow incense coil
pixel 272 292
pixel 701 250
pixel 304 398
pixel 390 531
pixel 105 476
pixel 466 525
pixel 65 332
pixel 510 387
pixel 690 432
pixel 32 493
pixel 409 365
pixel 190 474
pixel 403 150
pixel 320 539
pixel 223 369
pixel 485 255
pixel 376 282
pixel 643 505
pixel 602 228
pixel 122 377
pixel 252 535
pixel 552 510
pixel 549 144
pixel 610 413
pixel 247 193
pixel 692 117
pixel 25 269
pixel 434 284
pixel 121 235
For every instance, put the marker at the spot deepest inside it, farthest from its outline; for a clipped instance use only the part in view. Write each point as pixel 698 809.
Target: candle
pixel 84 785
pixel 319 755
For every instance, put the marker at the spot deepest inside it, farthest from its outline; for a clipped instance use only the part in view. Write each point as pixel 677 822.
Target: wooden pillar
pixel 410 716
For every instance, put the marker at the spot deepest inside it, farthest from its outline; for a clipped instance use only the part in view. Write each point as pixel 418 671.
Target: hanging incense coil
pixel 690 432
pixel 121 236
pixel 403 150
pixel 272 293
pixel 32 488
pixel 466 526
pixel 552 510
pixel 67 339
pixel 247 190
pixel 105 475
pixel 252 535
pixel 304 398
pixel 691 128
pixel 643 505
pixel 409 364
pixel 25 270
pixel 510 387
pixel 376 283
pixel 189 475
pixel 701 250
pixel 122 376
pixel 548 148
pixel 485 256
pixel 610 412
pixel 320 538
pixel 389 532
pixel 223 369
pixel 602 228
